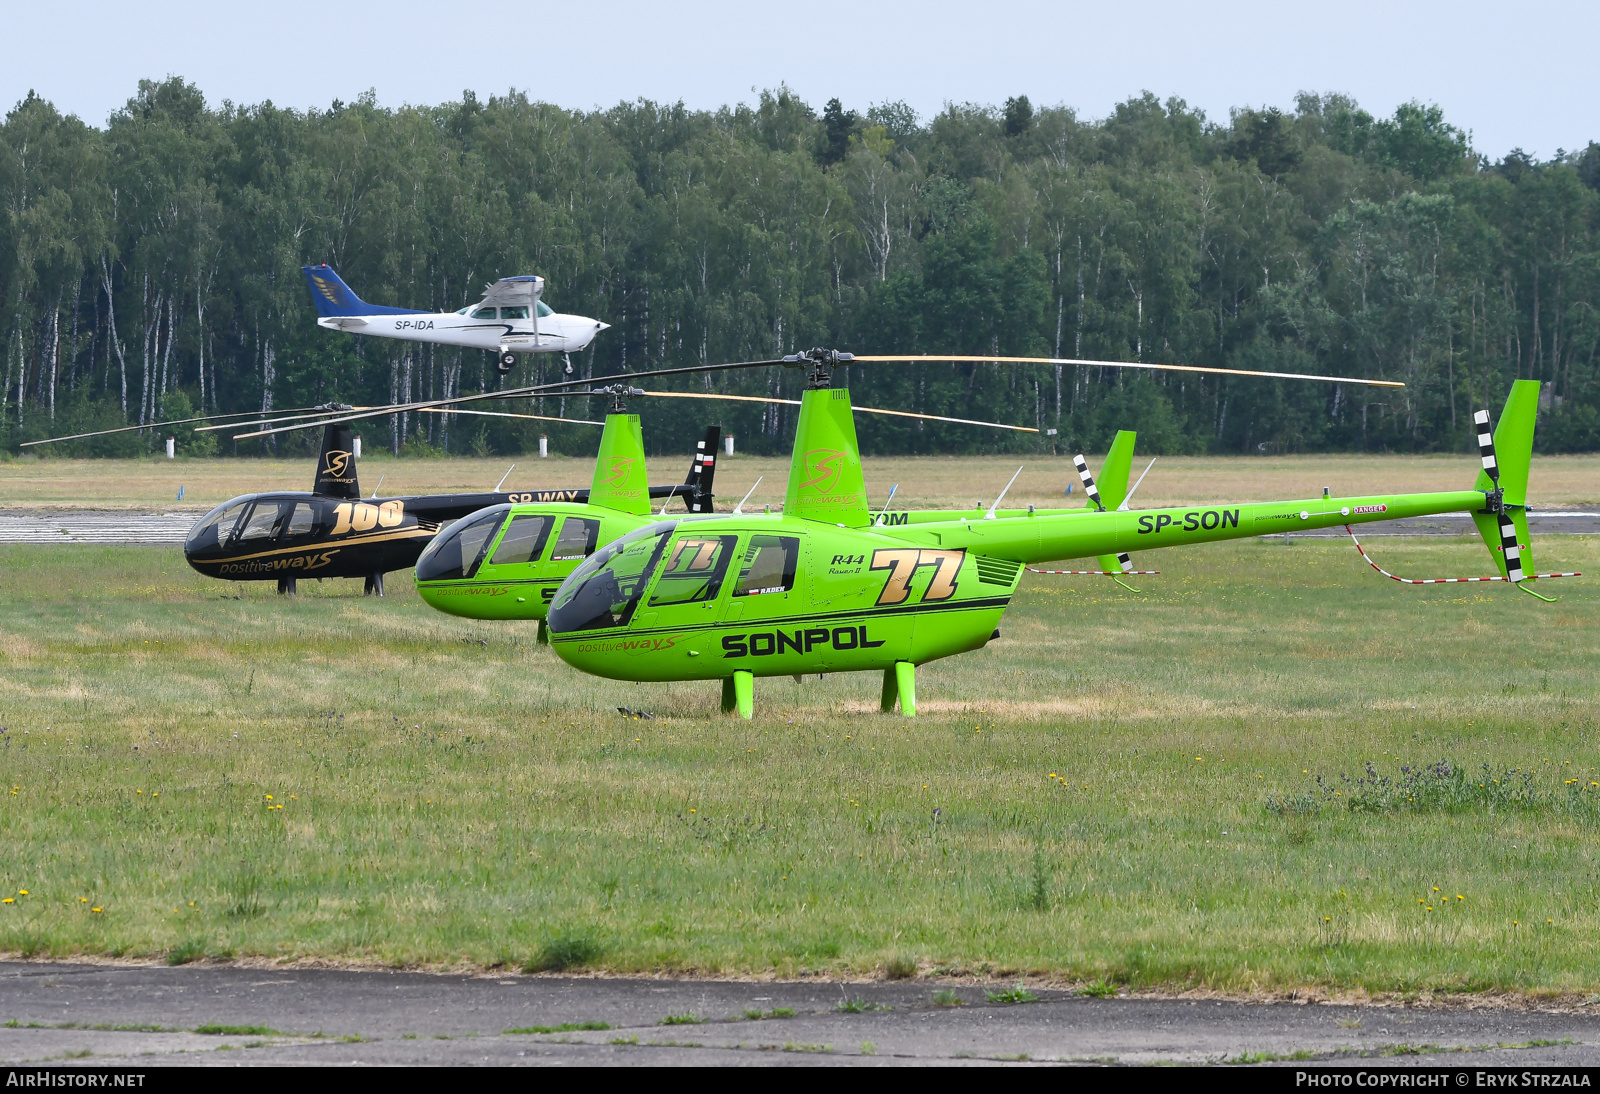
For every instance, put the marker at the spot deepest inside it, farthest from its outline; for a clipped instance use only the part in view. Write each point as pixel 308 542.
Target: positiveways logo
pixel 336 464
pixel 822 469
pixel 617 469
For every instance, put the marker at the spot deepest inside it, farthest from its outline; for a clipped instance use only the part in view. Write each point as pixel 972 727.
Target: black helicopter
pixel 333 532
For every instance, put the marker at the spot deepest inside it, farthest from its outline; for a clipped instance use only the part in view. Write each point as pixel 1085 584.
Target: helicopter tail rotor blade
pixel 1088 481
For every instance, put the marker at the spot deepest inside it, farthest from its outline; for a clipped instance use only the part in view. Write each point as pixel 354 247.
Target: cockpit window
pixel 604 591
pixel 483 313
pixel 458 550
pixel 577 539
pixel 301 521
pixel 544 309
pixel 769 565
pixel 215 526
pixel 523 540
pixel 694 571
pixel 514 313
pixel 261 523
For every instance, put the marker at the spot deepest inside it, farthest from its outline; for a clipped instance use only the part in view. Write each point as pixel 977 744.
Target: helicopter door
pixel 690 583
pixel 299 526
pixel 765 585
pixel 261 525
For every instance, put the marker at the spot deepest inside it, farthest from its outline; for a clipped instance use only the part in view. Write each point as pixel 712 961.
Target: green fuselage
pixel 511 586
pixel 864 599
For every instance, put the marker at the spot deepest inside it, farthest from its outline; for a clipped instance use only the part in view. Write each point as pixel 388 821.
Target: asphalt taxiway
pixel 132 1015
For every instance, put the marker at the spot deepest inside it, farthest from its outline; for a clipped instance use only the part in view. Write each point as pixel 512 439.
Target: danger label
pixel 1370 509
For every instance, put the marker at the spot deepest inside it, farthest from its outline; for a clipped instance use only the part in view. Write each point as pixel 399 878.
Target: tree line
pixel 151 268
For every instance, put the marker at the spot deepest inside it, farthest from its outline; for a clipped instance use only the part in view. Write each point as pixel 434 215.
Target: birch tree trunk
pixel 111 323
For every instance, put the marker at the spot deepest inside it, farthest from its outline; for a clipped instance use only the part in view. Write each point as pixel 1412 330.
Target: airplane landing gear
pixel 374 586
pixel 286 587
pixel 506 361
pixel 566 362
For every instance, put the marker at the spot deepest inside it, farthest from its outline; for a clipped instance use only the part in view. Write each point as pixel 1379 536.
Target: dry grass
pixel 925 482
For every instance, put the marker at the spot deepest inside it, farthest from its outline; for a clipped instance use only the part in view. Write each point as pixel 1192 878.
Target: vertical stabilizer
pixel 620 479
pixel 1513 442
pixel 1113 477
pixel 336 464
pixel 825 479
pixel 1506 458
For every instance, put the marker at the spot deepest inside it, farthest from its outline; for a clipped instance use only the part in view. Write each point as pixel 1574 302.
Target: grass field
pixel 924 481
pixel 1123 788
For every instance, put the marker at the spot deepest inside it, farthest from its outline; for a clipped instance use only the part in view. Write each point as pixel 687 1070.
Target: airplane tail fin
pixel 331 295
pixel 703 470
pixel 1506 456
pixel 620 478
pixel 336 464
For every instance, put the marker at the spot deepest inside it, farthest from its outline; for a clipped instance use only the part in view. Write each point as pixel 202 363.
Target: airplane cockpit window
pixel 215 526
pixel 513 313
pixel 262 522
pixel 523 540
pixel 769 565
pixel 604 590
pixel 302 520
pixel 544 309
pixel 458 551
pixel 483 313
pixel 694 570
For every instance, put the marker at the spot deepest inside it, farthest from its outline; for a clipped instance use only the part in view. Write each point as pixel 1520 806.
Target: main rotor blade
pixel 1123 364
pixel 506 414
pixel 862 409
pixel 158 425
pixel 422 410
pixel 288 416
pixel 556 387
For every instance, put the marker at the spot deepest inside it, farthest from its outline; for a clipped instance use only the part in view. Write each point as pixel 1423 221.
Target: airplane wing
pixel 515 291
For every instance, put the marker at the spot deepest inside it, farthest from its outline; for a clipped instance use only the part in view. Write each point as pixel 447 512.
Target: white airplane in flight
pixel 510 319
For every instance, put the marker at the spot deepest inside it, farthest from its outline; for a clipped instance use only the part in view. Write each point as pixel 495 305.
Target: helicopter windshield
pixel 604 590
pixel 214 527
pixel 457 551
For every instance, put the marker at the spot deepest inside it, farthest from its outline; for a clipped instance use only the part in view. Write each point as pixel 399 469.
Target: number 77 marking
pixel 903 563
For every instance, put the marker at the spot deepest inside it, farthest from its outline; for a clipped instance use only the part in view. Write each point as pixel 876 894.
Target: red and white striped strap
pixel 1100 573
pixel 1437 580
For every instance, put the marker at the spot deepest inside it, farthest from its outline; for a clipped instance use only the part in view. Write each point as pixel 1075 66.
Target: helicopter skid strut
pixel 899 684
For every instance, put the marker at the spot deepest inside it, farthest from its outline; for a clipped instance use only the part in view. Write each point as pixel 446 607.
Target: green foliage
pixel 185 952
pixel 945 997
pixel 568 949
pixel 155 263
pixel 902 966
pixel 238 1031
pixel 564 1027
pixel 688 1019
pixel 1018 994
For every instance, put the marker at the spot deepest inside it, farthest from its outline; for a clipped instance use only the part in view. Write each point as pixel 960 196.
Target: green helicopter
pixel 823 588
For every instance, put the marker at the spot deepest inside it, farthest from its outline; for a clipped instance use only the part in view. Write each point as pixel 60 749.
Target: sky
pixel 1515 75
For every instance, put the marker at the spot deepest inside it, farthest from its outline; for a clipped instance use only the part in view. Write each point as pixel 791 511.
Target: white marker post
pixel 172 448
pixel 544 447
pixel 358 446
pixel 727 443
